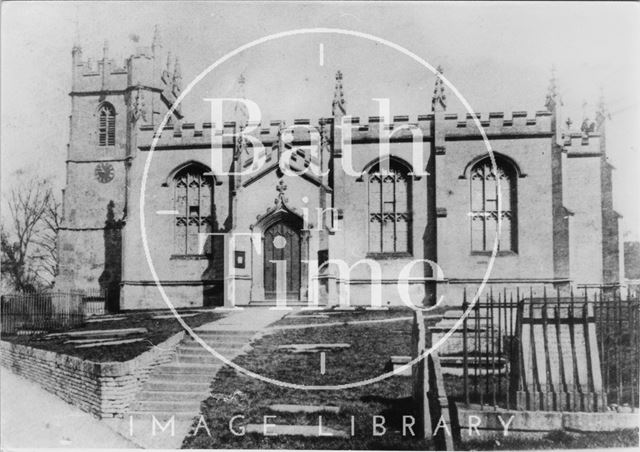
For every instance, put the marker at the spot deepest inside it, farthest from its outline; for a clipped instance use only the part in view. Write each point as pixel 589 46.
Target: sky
pixel 498 55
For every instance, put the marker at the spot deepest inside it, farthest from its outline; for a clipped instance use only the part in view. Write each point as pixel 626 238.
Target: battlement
pixel 403 129
pixel 495 124
pixel 91 75
pixel 188 134
pixel 91 68
pixel 142 69
pixel 580 144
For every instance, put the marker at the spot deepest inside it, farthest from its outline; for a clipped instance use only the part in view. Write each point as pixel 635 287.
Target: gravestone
pixel 295 430
pixel 99 333
pixel 396 365
pixel 103 343
pixel 559 362
pixel 313 348
pixel 309 409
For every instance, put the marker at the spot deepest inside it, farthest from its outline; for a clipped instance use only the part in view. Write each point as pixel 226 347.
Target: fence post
pixel 476 350
pixel 616 296
pixel 493 352
pixel 465 360
pixel 517 386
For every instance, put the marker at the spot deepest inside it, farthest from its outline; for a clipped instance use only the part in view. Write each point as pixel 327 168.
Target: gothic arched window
pixel 193 200
pixel 484 205
pixel 389 209
pixel 106 125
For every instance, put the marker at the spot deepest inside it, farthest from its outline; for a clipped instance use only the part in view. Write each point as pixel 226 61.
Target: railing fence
pixel 32 313
pixel 489 340
pixel 514 337
pixel 617 323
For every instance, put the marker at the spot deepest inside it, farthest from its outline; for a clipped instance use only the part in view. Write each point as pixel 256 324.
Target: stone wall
pixel 102 389
pixel 479 424
pixel 583 198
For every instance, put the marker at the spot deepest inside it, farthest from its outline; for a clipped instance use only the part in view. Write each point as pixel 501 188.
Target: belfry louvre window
pixel 107 125
pixel 484 206
pixel 389 209
pixel 193 200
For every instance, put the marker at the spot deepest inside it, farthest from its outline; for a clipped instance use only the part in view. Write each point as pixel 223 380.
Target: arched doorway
pixel 282 248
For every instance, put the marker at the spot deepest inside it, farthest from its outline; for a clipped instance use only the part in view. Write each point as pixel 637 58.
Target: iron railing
pixel 489 340
pixel 617 324
pixel 491 351
pixel 31 313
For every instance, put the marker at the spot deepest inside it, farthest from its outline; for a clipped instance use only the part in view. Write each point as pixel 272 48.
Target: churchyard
pixel 521 371
pixel 99 338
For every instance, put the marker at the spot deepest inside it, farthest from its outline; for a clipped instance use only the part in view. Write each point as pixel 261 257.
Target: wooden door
pixel 282 243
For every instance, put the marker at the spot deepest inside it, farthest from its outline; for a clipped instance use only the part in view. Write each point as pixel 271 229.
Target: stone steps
pixel 174 396
pixel 215 344
pixel 161 416
pixel 222 333
pixel 190 369
pixel 172 385
pixel 191 407
pixel 178 388
pixel 272 303
pixel 171 378
pixel 201 351
pixel 203 359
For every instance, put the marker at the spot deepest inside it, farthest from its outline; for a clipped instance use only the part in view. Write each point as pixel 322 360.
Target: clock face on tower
pixel 104 172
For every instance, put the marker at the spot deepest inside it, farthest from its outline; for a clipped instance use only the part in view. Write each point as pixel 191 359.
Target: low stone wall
pixel 476 423
pixel 103 389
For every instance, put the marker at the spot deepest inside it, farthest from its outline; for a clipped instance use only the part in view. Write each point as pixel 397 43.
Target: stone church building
pixel 559 228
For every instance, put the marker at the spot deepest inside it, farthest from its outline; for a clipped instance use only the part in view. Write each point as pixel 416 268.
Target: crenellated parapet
pixel 579 144
pixel 144 69
pixel 188 134
pixel 98 75
pixel 402 128
pixel 498 125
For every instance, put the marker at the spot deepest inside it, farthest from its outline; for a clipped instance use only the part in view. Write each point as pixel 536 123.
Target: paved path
pixel 32 417
pixel 247 319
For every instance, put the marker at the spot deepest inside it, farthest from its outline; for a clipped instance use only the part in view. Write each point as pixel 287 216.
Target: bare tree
pixel 28 247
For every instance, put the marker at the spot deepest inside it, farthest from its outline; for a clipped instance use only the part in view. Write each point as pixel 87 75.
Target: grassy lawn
pixel 371 347
pixel 159 330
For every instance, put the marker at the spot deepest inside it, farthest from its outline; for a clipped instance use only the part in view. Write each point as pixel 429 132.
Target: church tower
pixel 108 104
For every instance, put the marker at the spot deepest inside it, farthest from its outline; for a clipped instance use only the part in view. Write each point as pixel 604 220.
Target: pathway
pixel 35 418
pixel 164 410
